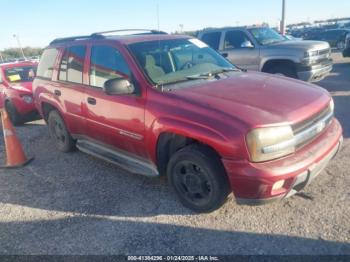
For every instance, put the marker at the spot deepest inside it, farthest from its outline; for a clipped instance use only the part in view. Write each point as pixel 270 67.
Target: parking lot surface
pixel 76 204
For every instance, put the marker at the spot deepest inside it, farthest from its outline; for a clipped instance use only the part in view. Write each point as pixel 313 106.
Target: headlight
pixel 27 99
pixel 270 143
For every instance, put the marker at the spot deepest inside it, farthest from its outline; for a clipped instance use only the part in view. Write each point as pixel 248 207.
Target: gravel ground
pixel 76 204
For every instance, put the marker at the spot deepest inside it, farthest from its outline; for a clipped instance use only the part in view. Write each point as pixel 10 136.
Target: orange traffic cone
pixel 15 156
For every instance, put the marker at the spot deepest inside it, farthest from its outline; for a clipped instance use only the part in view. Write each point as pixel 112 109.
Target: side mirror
pixel 225 55
pixel 118 86
pixel 247 44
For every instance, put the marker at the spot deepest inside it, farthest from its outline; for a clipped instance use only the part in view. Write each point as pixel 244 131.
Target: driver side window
pixel 107 63
pixel 236 39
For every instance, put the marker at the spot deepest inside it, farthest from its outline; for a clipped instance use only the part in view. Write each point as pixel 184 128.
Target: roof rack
pixel 101 35
pixel 73 38
pixel 129 32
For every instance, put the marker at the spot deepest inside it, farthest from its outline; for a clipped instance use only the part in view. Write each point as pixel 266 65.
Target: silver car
pixel 263 49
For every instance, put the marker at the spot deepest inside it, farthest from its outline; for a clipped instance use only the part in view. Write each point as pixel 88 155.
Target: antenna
pixel 158 16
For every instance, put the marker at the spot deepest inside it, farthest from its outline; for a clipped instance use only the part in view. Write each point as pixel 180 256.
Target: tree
pixel 16 52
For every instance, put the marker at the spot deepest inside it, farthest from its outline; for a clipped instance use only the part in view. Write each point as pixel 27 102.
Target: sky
pixel 37 22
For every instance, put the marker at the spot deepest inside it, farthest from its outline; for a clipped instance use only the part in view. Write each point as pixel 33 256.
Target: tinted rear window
pixel 212 39
pixel 47 62
pixel 72 65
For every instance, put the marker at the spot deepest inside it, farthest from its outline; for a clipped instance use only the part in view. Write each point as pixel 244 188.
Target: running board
pixel 124 161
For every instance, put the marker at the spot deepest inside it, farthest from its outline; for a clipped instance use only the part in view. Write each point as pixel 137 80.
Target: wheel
pixel 59 133
pixel 14 116
pixel 284 70
pixel 198 178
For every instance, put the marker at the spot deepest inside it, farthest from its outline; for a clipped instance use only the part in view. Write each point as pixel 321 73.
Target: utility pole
pixel 283 20
pixel 19 44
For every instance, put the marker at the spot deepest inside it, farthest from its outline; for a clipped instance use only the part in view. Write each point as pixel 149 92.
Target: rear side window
pixel 47 62
pixel 212 39
pixel 107 63
pixel 72 65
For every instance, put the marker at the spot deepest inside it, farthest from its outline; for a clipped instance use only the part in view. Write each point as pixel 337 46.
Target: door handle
pixel 57 93
pixel 91 100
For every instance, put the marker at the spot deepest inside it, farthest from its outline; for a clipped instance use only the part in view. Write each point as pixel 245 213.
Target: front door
pixel 240 50
pixel 114 120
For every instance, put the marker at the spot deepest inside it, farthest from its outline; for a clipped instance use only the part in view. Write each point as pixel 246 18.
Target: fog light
pixel 28 99
pixel 278 185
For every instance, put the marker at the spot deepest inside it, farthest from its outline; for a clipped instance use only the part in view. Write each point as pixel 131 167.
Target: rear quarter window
pixel 47 62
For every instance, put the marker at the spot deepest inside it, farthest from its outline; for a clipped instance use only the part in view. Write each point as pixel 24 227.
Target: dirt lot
pixel 76 204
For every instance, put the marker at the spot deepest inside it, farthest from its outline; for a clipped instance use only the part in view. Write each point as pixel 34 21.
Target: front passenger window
pixel 107 63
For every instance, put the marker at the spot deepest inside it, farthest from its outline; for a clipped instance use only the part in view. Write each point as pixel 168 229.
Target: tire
pixel 340 45
pixel 14 116
pixel 59 133
pixel 285 70
pixel 198 178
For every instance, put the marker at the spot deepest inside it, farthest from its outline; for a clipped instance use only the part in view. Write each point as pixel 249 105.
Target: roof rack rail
pixel 138 32
pixel 74 38
pixel 100 35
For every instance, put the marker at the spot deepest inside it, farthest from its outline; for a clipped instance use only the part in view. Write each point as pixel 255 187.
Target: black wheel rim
pixel 192 182
pixel 58 132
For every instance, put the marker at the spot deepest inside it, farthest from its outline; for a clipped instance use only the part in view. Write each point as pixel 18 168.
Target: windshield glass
pixel 175 60
pixel 20 74
pixel 266 36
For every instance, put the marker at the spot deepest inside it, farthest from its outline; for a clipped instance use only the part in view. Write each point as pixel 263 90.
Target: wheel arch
pixel 270 63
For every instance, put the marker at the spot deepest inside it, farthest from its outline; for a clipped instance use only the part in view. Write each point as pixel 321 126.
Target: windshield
pixel 20 74
pixel 266 36
pixel 175 60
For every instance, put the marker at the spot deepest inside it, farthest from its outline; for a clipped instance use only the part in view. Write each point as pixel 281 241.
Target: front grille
pixel 324 51
pixel 310 128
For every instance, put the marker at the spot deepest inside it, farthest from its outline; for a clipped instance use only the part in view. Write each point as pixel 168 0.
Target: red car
pixel 16 91
pixel 158 104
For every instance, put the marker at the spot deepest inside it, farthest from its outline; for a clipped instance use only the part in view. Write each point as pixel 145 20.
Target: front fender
pixel 266 59
pixel 206 135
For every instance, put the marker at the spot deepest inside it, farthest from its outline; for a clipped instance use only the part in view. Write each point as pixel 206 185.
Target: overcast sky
pixel 37 22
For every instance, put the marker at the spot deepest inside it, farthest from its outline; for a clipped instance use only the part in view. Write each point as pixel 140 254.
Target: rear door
pixel 69 88
pixel 114 120
pixel 212 39
pixel 240 50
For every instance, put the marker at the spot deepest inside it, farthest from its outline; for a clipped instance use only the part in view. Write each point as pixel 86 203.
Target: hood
pixel 302 45
pixel 22 86
pixel 258 99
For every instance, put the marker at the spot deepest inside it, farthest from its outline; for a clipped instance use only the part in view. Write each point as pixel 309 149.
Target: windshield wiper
pixel 212 73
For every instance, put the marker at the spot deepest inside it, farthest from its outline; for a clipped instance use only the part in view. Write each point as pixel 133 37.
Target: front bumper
pixel 252 183
pixel 28 111
pixel 315 72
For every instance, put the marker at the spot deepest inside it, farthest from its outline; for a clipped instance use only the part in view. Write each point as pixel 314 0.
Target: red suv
pixel 16 91
pixel 159 104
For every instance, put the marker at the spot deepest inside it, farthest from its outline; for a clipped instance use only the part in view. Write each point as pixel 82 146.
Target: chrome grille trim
pixel 303 136
pixel 300 126
pixel 324 51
